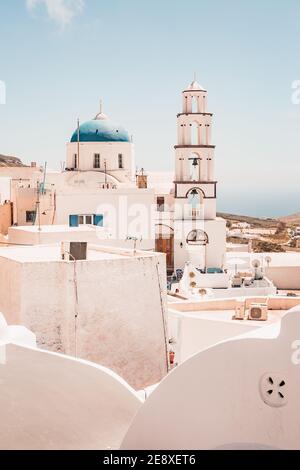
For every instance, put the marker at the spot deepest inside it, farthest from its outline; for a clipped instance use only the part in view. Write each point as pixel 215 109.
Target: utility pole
pixel 44 180
pixel 78 143
pixel 105 171
pixel 38 209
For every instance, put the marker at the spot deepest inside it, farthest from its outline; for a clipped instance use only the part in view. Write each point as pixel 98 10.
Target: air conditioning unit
pixel 258 312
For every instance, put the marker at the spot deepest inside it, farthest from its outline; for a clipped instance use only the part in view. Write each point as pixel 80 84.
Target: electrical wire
pixel 163 318
pixel 76 301
pixel 54 209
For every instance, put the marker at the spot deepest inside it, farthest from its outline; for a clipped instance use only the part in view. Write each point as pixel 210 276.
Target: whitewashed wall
pixel 214 251
pixel 120 321
pixel 284 277
pixel 53 402
pixel 108 151
pixel 218 398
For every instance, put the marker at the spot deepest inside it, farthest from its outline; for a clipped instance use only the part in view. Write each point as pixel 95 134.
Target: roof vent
pixel 273 389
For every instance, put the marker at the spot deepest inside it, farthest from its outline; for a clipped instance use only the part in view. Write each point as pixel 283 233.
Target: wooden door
pixel 166 245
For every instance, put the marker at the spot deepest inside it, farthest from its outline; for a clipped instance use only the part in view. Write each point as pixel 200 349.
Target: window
pixel 197 237
pixel 85 219
pixel 160 204
pixel 75 160
pixel 30 216
pixel 195 198
pixel 97 160
pixel 121 161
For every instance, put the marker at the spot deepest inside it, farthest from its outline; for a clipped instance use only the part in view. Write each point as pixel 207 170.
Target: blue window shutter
pixel 98 220
pixel 74 221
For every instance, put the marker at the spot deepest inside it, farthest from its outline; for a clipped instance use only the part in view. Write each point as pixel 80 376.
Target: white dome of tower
pixel 195 86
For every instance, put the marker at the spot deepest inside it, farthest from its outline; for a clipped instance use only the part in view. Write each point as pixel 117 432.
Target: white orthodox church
pixel 195 233
pixel 99 187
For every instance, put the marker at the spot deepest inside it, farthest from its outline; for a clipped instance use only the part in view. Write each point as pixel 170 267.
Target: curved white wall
pixel 218 398
pixel 52 402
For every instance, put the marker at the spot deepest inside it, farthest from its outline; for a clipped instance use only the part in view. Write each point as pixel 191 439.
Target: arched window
pixel 195 199
pixel 194 167
pixel 197 237
pixel 195 196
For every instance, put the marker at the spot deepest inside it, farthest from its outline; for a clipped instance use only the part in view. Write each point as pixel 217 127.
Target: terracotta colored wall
pixel 5 218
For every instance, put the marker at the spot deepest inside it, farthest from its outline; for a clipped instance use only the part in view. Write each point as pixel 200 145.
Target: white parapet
pixel 241 393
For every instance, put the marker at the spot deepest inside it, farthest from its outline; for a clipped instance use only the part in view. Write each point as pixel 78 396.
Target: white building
pixel 283 269
pixel 99 187
pixel 197 325
pixel 194 233
pixel 109 308
pixel 231 374
pixel 104 146
pixel 239 391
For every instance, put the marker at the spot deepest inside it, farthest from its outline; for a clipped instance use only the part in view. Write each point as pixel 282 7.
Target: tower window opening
pixel 194 104
pixel 194 167
pixel 195 200
pixel 194 134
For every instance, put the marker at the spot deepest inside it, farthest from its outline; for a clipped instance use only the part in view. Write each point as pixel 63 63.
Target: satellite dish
pixel 256 263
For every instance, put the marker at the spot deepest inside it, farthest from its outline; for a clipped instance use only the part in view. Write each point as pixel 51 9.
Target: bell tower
pixel 194 152
pixel 200 237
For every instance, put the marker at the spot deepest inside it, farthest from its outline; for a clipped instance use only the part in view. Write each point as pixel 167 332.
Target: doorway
pixel 164 243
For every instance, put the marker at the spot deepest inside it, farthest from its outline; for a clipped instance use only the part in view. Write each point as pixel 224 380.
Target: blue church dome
pixel 100 129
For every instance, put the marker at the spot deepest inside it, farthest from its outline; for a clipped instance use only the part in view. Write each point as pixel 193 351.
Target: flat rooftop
pixel 274 316
pixel 42 253
pixel 55 228
pixel 277 259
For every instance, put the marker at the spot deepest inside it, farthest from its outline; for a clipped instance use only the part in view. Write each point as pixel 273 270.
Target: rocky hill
pixel 10 161
pixel 253 221
pixel 293 219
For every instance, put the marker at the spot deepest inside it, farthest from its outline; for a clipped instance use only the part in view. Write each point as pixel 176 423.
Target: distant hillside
pixel 291 219
pixel 254 221
pixel 10 161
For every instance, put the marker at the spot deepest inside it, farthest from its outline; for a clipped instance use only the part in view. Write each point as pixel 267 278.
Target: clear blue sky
pixel 138 56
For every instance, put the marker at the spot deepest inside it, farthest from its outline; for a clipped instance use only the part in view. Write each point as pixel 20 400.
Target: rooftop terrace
pixel 46 253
